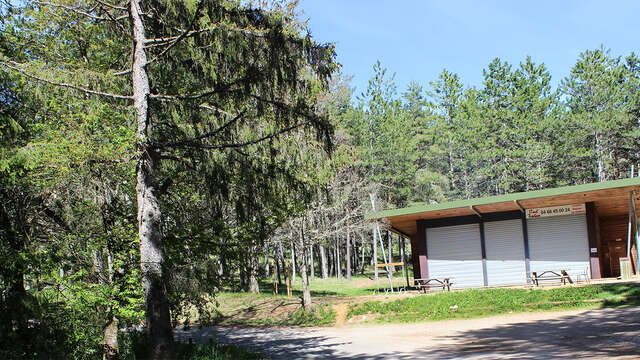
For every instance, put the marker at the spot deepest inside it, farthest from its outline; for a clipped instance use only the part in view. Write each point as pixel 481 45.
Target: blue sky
pixel 417 39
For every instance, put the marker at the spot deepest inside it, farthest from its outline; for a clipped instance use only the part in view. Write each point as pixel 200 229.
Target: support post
pixel 525 237
pixel 594 257
pixel 483 248
pixel 419 252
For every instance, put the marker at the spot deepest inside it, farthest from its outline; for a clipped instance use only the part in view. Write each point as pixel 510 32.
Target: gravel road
pixel 585 334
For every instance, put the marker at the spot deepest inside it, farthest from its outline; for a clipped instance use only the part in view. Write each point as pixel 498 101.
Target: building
pixel 500 240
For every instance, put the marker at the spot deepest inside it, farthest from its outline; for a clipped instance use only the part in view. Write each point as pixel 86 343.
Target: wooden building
pixel 501 240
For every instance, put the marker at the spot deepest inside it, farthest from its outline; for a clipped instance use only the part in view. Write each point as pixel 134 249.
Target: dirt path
pixel 592 334
pixel 341 313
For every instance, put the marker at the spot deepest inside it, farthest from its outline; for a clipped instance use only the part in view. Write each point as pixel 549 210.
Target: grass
pixel 134 346
pixel 268 309
pixel 213 352
pixel 487 302
pixel 357 286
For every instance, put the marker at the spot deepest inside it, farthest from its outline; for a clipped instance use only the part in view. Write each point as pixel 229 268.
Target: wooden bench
pixel 425 284
pixel 551 275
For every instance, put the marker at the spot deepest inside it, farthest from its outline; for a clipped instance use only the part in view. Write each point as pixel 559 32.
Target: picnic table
pixel 425 284
pixel 551 275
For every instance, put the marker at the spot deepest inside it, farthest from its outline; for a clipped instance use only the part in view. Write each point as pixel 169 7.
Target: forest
pixel 155 153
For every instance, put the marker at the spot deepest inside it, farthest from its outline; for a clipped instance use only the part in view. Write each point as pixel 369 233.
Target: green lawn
pixel 358 286
pixel 486 302
pixel 268 309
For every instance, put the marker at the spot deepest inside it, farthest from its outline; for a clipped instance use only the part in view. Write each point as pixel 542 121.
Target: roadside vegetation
pixel 486 302
pixel 136 347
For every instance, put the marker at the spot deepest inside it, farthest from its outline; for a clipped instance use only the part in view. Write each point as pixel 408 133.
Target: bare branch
pixel 109 5
pixel 257 33
pixel 182 36
pixel 123 72
pixel 79 10
pixel 206 135
pixel 16 67
pixel 225 88
pixel 209 107
pixel 251 142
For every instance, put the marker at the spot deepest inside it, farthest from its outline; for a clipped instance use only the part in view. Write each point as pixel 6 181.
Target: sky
pixel 417 39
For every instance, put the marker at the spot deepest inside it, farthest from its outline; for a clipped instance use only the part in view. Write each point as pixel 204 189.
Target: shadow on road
pixel 597 334
pixel 593 334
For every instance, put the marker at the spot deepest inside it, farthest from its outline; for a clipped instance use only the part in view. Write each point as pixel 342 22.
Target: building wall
pixel 559 243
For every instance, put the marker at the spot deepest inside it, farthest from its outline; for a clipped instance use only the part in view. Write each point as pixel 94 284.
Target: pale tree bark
pixel 283 266
pixel 331 261
pixel 374 257
pixel 348 254
pixel 323 262
pixel 265 250
pixel 149 218
pixel 254 262
pixel 276 264
pixel 338 262
pixel 362 246
pixel 306 291
pixel 110 350
pixel 312 263
pixel 293 262
pixel 390 246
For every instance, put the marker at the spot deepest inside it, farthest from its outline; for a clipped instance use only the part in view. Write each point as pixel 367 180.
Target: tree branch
pixel 256 33
pixel 203 136
pixel 16 67
pixel 182 36
pixel 251 142
pixel 224 88
pixel 104 3
pixel 79 10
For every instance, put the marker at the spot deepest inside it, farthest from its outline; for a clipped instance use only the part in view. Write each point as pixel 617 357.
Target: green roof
pixel 504 198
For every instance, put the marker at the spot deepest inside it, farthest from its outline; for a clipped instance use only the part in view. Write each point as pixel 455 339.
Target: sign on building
pixel 556 211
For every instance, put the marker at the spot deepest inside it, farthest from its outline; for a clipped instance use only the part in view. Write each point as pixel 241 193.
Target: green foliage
pixel 135 347
pixel 478 303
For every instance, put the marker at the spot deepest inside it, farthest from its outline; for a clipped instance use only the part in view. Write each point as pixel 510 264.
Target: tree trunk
pixel 403 258
pixel 265 251
pixel 331 260
pixel 312 264
pixel 362 246
pixel 390 246
pixel 276 262
pixel 293 262
pixel 149 219
pixel 348 255
pixel 306 292
pixel 283 267
pixel 110 349
pixel 338 262
pixel 323 262
pixel 374 258
pixel 254 286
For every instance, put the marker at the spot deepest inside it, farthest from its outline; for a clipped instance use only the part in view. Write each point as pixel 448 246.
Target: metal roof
pixel 565 190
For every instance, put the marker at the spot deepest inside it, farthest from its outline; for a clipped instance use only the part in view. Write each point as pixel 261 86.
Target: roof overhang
pixel 611 198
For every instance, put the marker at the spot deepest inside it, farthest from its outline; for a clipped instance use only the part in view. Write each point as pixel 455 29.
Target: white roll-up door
pixel 455 252
pixel 559 243
pixel 504 245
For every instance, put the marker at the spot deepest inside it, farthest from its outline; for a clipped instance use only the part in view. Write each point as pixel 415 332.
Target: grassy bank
pixel 487 302
pixel 268 309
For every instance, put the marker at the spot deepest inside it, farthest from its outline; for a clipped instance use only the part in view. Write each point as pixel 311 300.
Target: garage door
pixel 504 246
pixel 559 243
pixel 454 252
